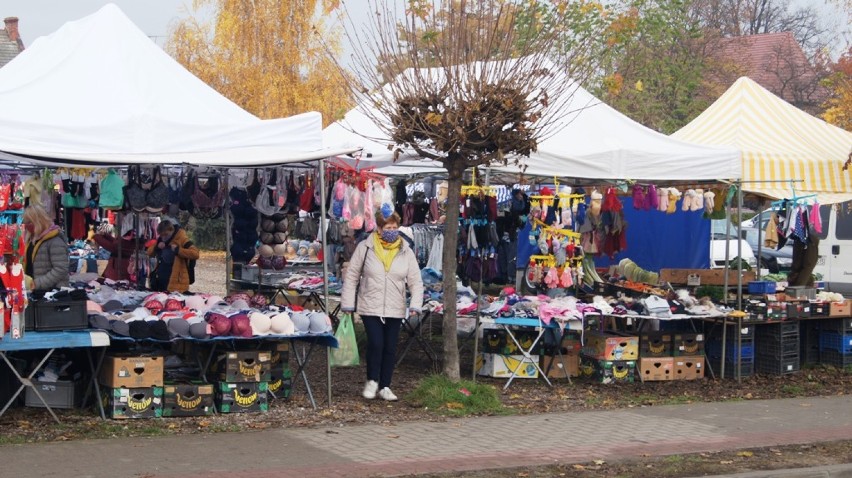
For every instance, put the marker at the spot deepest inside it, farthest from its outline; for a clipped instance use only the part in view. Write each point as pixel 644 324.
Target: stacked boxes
pixel 280 376
pixel 777 348
pixel 133 386
pixel 835 342
pixel 187 399
pixel 609 357
pixel 653 369
pixel 568 365
pixel 671 356
pixel 744 354
pixel 243 381
pixel 500 356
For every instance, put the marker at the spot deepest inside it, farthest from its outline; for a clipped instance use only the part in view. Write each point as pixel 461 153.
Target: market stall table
pixel 414 333
pixel 302 356
pixel 507 324
pixel 49 342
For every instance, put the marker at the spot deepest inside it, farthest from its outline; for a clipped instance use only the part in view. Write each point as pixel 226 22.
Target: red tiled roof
pixel 773 60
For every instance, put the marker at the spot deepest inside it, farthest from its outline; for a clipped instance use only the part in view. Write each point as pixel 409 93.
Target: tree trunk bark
pixel 455 168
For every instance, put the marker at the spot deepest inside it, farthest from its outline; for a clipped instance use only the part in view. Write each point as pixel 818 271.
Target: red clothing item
pixel 117 267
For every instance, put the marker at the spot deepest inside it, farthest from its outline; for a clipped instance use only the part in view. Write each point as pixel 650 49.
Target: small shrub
pixel 438 393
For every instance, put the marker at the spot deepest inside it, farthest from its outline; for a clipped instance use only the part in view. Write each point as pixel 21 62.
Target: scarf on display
pixel 386 251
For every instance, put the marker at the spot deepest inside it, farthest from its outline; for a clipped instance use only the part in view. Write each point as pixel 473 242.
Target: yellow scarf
pixel 386 251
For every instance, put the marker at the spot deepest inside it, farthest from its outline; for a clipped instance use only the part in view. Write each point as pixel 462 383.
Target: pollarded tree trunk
pixel 455 168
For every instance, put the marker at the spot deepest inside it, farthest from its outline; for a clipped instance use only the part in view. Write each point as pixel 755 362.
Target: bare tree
pixel 468 83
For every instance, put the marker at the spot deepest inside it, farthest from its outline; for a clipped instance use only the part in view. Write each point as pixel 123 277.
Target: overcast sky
pixel 42 17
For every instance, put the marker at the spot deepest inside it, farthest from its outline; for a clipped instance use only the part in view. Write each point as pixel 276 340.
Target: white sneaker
pixel 370 389
pixel 386 394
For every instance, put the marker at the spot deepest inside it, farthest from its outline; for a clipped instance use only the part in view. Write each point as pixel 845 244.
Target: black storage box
pixel 56 315
pixel 60 394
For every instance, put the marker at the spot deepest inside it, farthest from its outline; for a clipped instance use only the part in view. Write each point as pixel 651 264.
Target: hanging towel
pixel 816 220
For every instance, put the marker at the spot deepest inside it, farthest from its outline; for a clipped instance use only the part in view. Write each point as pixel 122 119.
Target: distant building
pixel 10 41
pixel 777 62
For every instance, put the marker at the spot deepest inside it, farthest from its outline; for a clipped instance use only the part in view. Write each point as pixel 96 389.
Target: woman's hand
pixel 161 245
pixel 29 283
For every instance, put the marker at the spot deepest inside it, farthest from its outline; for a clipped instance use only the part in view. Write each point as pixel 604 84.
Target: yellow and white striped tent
pixel 777 141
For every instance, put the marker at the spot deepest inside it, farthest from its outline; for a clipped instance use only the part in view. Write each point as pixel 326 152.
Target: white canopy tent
pixel 591 141
pixel 98 91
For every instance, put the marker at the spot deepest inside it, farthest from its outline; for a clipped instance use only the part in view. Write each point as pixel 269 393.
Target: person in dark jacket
pixel 173 251
pixel 46 258
pixel 118 265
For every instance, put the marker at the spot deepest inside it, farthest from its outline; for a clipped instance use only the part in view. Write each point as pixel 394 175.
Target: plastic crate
pixel 59 394
pixel 809 341
pixel 761 287
pixel 771 347
pixel 800 292
pixel 833 357
pixel 778 331
pixel 746 369
pixel 56 315
pixel 714 350
pixel 777 366
pixel 834 341
pixel 839 325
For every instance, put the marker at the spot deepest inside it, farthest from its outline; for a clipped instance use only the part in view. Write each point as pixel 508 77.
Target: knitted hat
pixel 111 305
pixel 120 327
pixel 282 325
pixel 260 323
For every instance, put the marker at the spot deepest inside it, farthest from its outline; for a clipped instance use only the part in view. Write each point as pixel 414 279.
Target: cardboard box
pixel 501 366
pixel 280 355
pixel 688 368
pixel 191 399
pixel 132 372
pixel 281 384
pixel 840 309
pixel 611 346
pixel 568 366
pixel 497 341
pixel 688 344
pixel 608 371
pixel 246 366
pixel 655 344
pixel 242 397
pixel 655 369
pixel 142 402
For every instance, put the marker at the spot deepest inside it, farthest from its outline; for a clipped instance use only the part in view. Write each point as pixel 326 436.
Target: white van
pixel 835 245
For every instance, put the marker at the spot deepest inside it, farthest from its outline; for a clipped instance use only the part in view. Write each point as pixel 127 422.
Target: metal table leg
pixel 527 356
pixel 95 367
pixel 302 359
pixel 28 382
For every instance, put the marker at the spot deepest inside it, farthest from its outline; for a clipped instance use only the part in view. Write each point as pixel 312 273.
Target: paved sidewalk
pixel 455 445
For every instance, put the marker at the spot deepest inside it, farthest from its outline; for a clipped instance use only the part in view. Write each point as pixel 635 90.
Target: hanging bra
pixel 208 207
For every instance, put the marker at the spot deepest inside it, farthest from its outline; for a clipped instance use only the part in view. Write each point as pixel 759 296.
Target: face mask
pixel 30 228
pixel 390 236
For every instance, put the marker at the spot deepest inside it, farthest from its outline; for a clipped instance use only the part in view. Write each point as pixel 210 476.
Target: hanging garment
pixel 770 239
pixel 805 257
pixel 816 218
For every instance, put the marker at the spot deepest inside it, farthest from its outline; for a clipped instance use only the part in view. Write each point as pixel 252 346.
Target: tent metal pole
pixel 229 266
pixel 740 245
pixel 323 235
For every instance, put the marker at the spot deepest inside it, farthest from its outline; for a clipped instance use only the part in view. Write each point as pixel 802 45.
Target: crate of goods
pixel 820 309
pixel 809 341
pixel 835 358
pixel 757 309
pixel 281 384
pixel 608 371
pixel 829 340
pixel 777 365
pixel 502 366
pixel 776 310
pixel 688 344
pixel 611 346
pixel 188 399
pixel 800 292
pixel 141 402
pixel 778 331
pixel 761 287
pixel 839 325
pixel 58 394
pixel 688 368
pixel 498 341
pixel 655 344
pixel 245 366
pixel 746 368
pixel 132 371
pixel 46 315
pixel 767 346
pixel 654 369
pixel 840 309
pixel 242 397
pixel 746 350
pixel 798 310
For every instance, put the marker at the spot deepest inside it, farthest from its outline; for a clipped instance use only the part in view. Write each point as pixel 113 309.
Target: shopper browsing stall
pixel 119 257
pixel 173 251
pixel 381 267
pixel 46 259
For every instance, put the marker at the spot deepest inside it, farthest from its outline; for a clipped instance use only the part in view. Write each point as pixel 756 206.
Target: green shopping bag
pixel 346 353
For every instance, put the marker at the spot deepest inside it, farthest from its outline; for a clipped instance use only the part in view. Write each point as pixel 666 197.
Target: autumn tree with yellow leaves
pixel 268 56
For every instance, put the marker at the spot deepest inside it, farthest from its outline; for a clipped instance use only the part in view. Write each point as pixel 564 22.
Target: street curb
pixel 830 471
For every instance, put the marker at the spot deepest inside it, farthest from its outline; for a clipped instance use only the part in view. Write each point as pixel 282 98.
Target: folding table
pixel 507 324
pixel 49 342
pixel 413 334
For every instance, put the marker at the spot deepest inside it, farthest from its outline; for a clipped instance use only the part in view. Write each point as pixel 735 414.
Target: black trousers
pixel 382 339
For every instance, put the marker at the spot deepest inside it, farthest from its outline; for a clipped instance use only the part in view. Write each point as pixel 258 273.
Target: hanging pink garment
pixel 816 220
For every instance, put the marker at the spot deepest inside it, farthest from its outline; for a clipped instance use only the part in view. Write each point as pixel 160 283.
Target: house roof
pixel 775 61
pixel 8 48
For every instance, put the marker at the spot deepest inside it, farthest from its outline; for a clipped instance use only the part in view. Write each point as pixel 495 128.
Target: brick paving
pixel 454 445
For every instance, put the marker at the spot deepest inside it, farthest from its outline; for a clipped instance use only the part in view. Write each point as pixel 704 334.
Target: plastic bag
pixel 346 353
